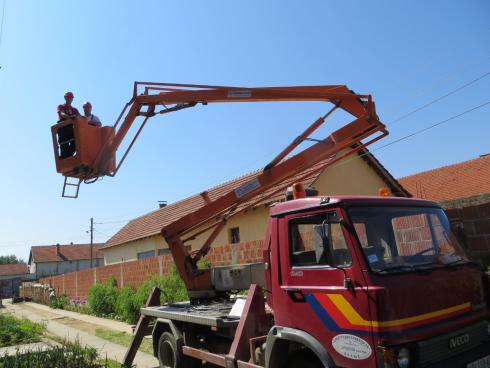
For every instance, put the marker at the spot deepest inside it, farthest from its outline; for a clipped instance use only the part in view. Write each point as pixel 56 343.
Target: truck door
pixel 323 291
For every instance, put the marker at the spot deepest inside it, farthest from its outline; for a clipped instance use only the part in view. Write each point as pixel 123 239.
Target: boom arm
pixel 212 216
pixel 174 97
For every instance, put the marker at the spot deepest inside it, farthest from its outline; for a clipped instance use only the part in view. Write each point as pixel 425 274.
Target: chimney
pixel 58 249
pixel 162 204
pixel 205 196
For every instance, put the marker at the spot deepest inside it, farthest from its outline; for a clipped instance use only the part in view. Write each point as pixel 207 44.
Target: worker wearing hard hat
pixel 91 118
pixel 67 111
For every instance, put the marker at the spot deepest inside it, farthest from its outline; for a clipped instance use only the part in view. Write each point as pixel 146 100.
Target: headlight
pixel 403 358
pixel 488 329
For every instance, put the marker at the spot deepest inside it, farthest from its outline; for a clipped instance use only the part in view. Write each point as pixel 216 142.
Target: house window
pixel 234 235
pixel 165 251
pixel 162 252
pixel 148 254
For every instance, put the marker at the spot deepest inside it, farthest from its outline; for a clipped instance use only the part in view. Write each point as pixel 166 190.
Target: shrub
pixel 106 300
pixel 102 297
pixel 126 308
pixel 14 331
pixel 173 287
pixel 145 289
pixel 204 263
pixel 59 302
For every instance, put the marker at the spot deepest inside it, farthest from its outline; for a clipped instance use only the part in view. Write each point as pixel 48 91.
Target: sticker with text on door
pixel 351 346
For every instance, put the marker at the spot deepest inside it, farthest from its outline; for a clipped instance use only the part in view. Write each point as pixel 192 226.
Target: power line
pixel 439 98
pixel 111 222
pixel 347 160
pixel 447 77
pixel 1 25
pixel 434 125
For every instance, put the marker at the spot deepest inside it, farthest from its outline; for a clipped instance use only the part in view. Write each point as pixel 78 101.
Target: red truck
pixel 348 281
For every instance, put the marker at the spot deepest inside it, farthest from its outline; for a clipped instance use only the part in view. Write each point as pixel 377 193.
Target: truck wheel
pixel 169 355
pixel 304 360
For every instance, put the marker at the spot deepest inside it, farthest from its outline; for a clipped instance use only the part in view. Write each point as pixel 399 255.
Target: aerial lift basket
pixel 76 146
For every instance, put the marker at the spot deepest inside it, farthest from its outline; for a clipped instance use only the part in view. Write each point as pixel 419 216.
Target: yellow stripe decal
pixel 354 318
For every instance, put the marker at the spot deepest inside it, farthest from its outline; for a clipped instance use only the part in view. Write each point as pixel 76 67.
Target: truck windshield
pixel 405 239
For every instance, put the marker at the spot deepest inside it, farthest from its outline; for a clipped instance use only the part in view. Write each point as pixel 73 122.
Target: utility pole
pixel 91 242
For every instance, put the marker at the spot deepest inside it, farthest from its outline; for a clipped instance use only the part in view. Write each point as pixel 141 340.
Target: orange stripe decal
pixel 353 318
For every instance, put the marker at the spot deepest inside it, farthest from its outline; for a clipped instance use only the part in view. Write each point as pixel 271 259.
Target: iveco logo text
pixel 458 341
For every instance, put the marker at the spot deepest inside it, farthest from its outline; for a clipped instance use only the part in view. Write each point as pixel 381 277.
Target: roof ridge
pixel 64 245
pixel 445 167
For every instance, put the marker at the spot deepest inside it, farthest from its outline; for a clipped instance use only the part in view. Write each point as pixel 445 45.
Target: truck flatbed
pixel 215 314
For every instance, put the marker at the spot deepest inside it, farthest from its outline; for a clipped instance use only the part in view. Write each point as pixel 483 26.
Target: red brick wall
pixel 134 273
pixel 472 225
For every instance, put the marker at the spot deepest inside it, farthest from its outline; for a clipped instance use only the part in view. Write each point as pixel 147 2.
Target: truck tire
pixel 170 356
pixel 304 360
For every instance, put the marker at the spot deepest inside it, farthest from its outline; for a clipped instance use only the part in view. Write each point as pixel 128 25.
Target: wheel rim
pixel 167 354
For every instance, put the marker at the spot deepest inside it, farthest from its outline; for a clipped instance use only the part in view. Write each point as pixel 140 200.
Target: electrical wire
pixel 410 113
pixel 360 155
pixel 438 99
pixel 1 24
pixel 433 125
pixel 112 222
pixel 446 77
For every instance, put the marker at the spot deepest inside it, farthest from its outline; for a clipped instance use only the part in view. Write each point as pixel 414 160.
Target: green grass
pixel 14 331
pixel 64 356
pixel 123 338
pixel 103 361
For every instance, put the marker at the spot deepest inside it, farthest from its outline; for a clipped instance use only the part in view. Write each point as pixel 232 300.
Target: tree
pixel 12 259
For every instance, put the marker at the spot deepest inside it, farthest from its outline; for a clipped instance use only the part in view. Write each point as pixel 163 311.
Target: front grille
pixel 439 348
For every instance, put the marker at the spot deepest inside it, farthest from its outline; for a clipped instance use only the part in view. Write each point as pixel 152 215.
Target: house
pixel 463 190
pixel 361 174
pixel 11 276
pixel 47 260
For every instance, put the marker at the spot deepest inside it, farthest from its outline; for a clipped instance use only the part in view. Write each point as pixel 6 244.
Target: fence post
pixel 234 253
pixel 121 271
pixel 160 265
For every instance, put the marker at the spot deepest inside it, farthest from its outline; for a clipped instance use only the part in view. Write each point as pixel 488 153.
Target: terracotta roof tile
pixel 13 269
pixel 151 224
pixel 68 252
pixel 456 181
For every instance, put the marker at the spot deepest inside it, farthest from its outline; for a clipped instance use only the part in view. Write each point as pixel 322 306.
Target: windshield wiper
pixel 397 268
pixel 458 261
pixel 419 268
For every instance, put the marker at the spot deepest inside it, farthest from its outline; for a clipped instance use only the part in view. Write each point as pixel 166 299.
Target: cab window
pixel 318 240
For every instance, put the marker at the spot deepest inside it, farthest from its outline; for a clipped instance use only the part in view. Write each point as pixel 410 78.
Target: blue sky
pixel 405 54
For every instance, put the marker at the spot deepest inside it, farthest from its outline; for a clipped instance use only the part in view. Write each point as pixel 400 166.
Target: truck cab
pixel 371 282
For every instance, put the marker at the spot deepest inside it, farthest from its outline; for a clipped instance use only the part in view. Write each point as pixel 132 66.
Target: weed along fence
pixel 134 273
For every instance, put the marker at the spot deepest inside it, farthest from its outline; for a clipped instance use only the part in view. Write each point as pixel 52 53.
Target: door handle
pixel 296 295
